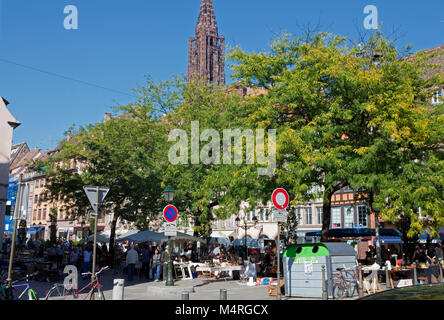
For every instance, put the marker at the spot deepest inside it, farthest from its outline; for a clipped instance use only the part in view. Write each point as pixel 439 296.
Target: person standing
pixel 59 252
pixel 164 259
pixel 118 252
pixel 87 254
pixel 74 257
pixel 147 254
pixel 156 265
pixel 132 258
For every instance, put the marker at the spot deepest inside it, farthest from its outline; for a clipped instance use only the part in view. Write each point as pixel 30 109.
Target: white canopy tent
pixel 152 236
pixel 105 236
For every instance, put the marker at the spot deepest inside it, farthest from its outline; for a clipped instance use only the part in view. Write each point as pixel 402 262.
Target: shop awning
pixel 391 240
pixel 34 230
pixel 356 233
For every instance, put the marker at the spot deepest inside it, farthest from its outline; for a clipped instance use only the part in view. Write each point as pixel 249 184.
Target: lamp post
pixel 246 226
pixel 168 193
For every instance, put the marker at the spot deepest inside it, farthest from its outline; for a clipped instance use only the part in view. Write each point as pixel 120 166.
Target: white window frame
pixel 335 213
pixel 347 223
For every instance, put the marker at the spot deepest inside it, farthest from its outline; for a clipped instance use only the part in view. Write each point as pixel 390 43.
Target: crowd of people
pixel 428 254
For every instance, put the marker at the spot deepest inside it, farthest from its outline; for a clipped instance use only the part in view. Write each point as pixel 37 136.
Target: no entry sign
pixel 280 198
pixel 170 213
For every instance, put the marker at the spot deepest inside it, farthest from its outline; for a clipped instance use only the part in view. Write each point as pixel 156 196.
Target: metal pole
pixel 245 243
pixel 360 281
pixel 378 241
pixel 223 294
pixel 387 278
pixel 93 276
pixel 324 285
pixel 170 281
pixel 14 233
pixel 415 278
pixel 278 252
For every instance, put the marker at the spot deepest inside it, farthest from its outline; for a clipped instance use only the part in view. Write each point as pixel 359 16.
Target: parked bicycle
pixel 7 293
pixel 345 283
pixel 59 292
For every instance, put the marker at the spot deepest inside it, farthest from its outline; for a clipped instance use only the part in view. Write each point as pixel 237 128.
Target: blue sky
pixel 118 42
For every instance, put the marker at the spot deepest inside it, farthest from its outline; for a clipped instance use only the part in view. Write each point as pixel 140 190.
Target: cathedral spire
pixel 206 53
pixel 206 15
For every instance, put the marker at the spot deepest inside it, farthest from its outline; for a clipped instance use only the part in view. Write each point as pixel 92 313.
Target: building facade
pixel 7 125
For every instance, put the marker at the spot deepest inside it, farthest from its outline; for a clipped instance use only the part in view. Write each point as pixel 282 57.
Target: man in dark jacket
pixel 164 259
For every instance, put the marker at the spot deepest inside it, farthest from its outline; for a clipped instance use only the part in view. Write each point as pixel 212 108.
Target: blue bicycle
pixel 7 293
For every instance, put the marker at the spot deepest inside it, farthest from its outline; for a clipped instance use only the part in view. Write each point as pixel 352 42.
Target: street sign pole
pixel 14 233
pixel 278 252
pixel 96 209
pixel 170 214
pixel 281 200
pixel 95 195
pixel 170 281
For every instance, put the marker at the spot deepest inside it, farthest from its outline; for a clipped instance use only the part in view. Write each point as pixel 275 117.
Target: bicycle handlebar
pixel 90 273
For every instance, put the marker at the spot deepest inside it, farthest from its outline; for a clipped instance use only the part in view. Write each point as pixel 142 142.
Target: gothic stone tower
pixel 206 53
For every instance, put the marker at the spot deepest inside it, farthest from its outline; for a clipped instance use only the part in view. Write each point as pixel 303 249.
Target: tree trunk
pixel 326 215
pixel 326 209
pixel 113 235
pixel 197 223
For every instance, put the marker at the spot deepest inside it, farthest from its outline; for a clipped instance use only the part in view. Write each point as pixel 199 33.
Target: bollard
pixel 387 278
pixel 415 279
pixel 360 281
pixel 118 293
pixel 324 287
pixel 185 295
pixel 223 294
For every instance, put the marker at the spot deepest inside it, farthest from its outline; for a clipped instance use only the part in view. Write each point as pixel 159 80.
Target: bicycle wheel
pixel 97 295
pixel 338 291
pixel 55 293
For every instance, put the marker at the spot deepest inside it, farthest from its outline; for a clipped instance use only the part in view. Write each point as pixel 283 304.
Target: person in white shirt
pixel 132 258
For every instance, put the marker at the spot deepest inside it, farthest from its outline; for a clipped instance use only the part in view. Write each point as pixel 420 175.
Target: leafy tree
pixel 341 119
pixel 121 154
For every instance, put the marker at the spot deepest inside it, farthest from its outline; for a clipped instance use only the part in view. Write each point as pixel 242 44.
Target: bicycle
pixel 346 283
pixel 7 293
pixel 59 292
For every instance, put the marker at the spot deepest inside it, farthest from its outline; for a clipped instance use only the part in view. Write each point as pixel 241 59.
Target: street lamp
pixel 168 193
pixel 246 225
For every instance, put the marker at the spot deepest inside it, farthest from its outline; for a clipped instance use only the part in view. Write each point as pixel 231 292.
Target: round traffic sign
pixel 280 198
pixel 170 213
